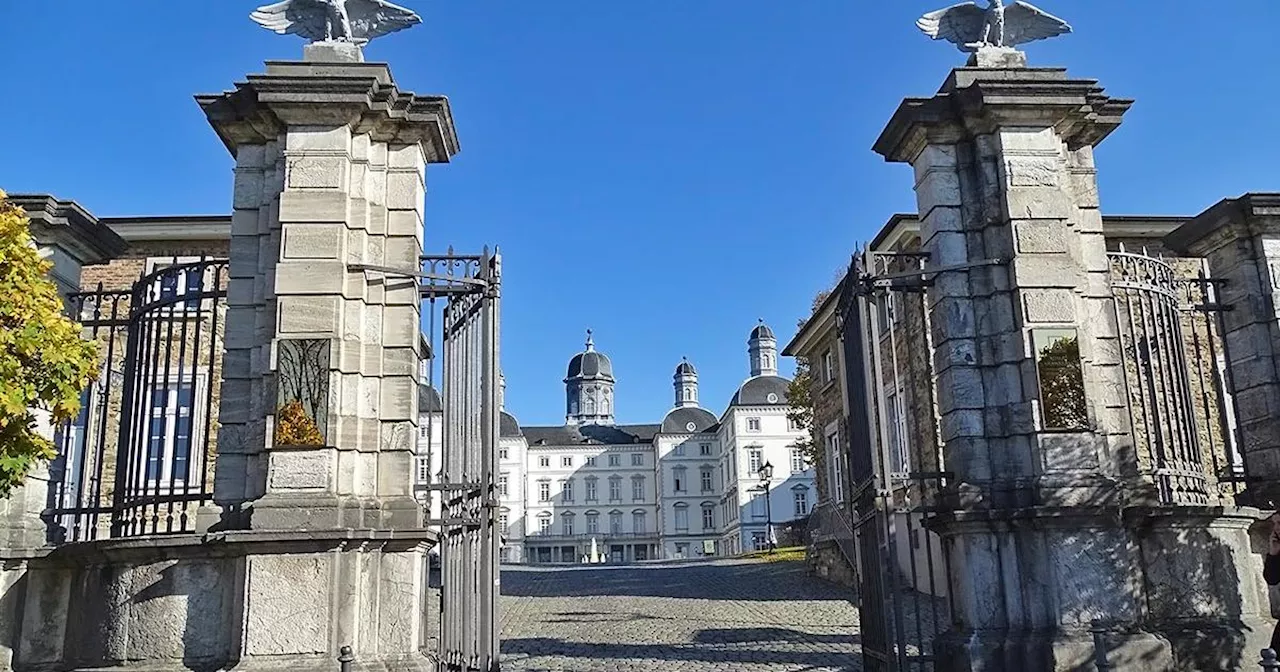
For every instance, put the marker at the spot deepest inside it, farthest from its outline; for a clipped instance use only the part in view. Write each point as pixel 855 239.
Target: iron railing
pixel 138 458
pixel 461 296
pixel 1176 376
pixel 895 459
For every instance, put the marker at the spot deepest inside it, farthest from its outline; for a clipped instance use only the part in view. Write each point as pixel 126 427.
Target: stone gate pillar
pixel 319 400
pixel 1053 523
pixel 1241 239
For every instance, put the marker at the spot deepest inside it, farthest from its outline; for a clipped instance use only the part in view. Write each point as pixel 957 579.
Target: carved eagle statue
pixel 971 27
pixel 355 21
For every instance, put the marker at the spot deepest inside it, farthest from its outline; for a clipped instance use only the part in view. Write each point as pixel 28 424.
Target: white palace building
pixel 591 490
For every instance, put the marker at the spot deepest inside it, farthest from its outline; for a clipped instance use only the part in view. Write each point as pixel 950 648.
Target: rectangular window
pixel 544 525
pixel 502 520
pixel 802 502
pixel 591 460
pixel 753 424
pixel 169 434
pixel 637 460
pixel 793 425
pixel 424 469
pixel 566 461
pixel 828 366
pixel 706 481
pixel 503 454
pixel 593 523
pixel 544 491
pixel 708 518
pixel 637 489
pixel 566 524
pixel 704 449
pixel 757 506
pixel 682 518
pixel 885 310
pixel 615 460
pixel 898 465
pixel 566 490
pixel 638 522
pixel 591 489
pixel 755 458
pixel 834 461
pixel 615 489
pixel 678 450
pixel 179 284
pixel 615 522
pixel 503 489
pixel 677 476
pixel 797 461
pixel 544 461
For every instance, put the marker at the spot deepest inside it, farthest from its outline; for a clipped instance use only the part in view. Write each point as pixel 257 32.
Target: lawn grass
pixel 788 554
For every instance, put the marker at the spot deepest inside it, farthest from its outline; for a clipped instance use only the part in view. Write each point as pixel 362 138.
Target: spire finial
pixel 591 343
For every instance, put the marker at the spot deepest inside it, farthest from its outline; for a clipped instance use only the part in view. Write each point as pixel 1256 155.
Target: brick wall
pixel 122 272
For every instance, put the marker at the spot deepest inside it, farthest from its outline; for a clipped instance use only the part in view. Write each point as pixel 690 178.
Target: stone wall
pixel 826 561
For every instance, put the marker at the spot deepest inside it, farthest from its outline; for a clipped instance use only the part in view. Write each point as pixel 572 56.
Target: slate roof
pixel 590 364
pixel 762 331
pixel 685 367
pixel 508 426
pixel 573 435
pixel 679 419
pixel 429 399
pixel 756 391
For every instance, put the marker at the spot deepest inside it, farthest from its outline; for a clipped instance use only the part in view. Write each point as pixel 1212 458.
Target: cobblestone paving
pixel 743 616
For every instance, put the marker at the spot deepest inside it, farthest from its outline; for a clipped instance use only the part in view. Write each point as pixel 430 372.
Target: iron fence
pixel 1176 375
pixel 138 458
pixel 461 298
pixel 895 461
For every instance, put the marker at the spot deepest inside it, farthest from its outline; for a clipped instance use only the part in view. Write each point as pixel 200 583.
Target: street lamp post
pixel 766 480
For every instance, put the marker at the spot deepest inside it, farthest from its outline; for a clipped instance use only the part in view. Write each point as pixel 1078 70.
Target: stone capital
pixel 1226 221
pixel 976 101
pixel 362 96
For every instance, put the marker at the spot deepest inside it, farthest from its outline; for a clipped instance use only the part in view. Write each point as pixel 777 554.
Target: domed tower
pixel 686 383
pixel 763 350
pixel 589 387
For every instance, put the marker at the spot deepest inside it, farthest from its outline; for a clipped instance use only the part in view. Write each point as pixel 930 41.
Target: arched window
pixel 638 523
pixel 604 407
pixel 593 521
pixel 573 408
pixel 615 522
pixel 681 511
pixel 589 406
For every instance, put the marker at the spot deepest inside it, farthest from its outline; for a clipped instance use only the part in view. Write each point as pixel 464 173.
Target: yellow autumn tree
pixel 44 362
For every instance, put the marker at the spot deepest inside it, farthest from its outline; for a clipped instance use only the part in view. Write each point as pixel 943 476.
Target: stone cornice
pixel 975 101
pixel 67 225
pixel 360 95
pixel 1225 221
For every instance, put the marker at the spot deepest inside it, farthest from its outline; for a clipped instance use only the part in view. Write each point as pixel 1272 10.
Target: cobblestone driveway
pixel 743 616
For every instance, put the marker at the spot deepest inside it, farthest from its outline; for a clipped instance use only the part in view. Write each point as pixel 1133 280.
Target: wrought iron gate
pixel 895 460
pixel 138 459
pixel 463 335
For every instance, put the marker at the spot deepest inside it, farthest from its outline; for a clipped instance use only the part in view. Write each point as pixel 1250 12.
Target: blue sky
pixel 662 172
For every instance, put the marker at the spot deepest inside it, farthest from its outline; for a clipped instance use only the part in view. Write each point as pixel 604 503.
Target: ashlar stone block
pixel 281 616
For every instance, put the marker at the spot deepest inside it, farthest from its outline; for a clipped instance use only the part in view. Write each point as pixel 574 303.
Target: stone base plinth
pixel 231 601
pixel 1172 588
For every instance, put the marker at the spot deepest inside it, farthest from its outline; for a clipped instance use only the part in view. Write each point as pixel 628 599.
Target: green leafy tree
pixel 44 362
pixel 800 397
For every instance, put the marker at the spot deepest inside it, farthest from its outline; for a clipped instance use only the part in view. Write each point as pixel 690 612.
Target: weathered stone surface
pixel 281 615
pixel 301 470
